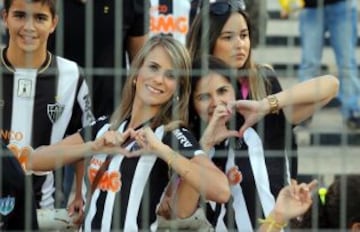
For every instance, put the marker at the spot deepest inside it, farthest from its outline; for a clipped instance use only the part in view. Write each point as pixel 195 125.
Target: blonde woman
pixel 146 144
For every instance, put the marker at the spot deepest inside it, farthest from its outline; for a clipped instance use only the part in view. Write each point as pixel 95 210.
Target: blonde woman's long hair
pixel 259 85
pixel 176 108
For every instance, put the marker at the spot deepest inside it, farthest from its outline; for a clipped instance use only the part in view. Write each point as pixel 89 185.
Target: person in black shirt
pixel 14 197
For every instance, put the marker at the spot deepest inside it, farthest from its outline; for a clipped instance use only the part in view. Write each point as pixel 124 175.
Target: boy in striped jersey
pixel 44 97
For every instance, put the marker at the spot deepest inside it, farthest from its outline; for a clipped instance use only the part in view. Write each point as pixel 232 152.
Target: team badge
pixel 7 205
pixel 54 111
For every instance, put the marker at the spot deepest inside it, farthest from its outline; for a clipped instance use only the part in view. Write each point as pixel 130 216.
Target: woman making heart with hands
pixel 148 136
pixel 232 145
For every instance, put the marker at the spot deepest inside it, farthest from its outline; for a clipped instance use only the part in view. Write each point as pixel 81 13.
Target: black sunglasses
pixel 224 7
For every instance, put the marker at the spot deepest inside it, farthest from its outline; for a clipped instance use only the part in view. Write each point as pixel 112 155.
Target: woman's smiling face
pixel 156 82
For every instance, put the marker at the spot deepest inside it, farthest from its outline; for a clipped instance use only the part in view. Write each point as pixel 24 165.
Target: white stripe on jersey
pixel 242 217
pixel 142 173
pixel 23 104
pixel 259 169
pixel 66 90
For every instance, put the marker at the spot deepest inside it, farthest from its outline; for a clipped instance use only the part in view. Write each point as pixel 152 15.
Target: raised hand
pixel 112 142
pixel 294 200
pixel 147 142
pixel 251 110
pixel 217 130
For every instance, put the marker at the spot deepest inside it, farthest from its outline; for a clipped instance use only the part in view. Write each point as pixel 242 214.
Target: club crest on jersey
pixel 54 111
pixel 7 205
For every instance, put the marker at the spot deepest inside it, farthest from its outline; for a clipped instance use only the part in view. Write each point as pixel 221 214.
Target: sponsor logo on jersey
pixel 110 180
pixel 7 205
pixel 163 23
pixel 182 138
pixel 11 135
pixel 54 111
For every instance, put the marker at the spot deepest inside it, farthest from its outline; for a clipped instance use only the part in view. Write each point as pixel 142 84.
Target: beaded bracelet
pixel 272 223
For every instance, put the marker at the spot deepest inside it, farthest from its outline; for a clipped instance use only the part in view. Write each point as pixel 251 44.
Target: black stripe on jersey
pixel 7 91
pixel 46 91
pixel 158 180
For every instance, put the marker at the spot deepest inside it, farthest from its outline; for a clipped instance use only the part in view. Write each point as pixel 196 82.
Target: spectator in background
pixel 171 18
pixel 339 19
pixel 257 11
pixel 255 8
pixel 134 33
pixel 344 190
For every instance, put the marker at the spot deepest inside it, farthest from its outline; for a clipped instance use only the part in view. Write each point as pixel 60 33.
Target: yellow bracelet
pixel 274 104
pixel 170 161
pixel 272 223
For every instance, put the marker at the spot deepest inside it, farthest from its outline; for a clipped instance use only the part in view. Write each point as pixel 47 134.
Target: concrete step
pixel 290 55
pixel 286 27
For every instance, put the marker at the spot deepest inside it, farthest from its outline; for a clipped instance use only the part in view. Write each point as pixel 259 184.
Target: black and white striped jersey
pixel 40 107
pixel 129 191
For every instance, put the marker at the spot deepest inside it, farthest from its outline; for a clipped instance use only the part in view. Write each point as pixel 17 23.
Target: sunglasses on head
pixel 224 7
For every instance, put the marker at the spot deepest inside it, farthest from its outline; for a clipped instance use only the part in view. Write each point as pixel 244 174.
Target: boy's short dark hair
pixel 50 3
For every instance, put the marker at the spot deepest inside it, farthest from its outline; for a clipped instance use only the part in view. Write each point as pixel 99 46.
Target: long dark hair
pixel 258 83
